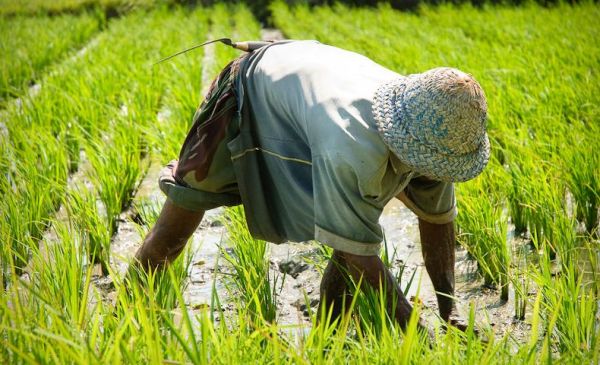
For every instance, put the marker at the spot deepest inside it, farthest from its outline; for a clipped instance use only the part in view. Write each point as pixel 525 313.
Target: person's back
pixel 313 126
pixel 306 80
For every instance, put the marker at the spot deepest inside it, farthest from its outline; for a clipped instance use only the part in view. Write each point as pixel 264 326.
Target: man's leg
pixel 168 237
pixel 334 294
pixel 438 244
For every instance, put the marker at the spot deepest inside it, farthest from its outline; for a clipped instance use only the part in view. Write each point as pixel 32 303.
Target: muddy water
pixel 297 268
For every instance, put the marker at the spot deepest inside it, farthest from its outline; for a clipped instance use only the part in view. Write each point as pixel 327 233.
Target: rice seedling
pixel 251 267
pixel 157 286
pixel 116 169
pixel 373 311
pixel 32 193
pixel 520 279
pixel 569 305
pixel 15 238
pixel 61 276
pixel 483 232
pixel 516 189
pixel 87 221
pixel 582 176
pixel 389 259
pixel 146 213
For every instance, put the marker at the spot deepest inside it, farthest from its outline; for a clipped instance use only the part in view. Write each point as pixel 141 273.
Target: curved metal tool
pixel 244 46
pixel 249 46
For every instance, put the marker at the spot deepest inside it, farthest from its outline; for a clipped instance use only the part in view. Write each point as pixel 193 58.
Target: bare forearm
pixel 169 235
pixel 438 244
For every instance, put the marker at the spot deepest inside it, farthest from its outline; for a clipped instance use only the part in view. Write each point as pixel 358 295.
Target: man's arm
pixel 437 243
pixel 168 237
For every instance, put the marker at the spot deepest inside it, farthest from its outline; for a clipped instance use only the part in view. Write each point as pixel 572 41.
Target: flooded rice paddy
pixel 296 270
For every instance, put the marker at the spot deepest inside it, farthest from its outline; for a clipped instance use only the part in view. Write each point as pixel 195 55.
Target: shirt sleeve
pixel 345 218
pixel 189 198
pixel 431 200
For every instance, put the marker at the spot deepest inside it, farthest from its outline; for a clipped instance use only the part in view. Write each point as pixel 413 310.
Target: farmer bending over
pixel 314 141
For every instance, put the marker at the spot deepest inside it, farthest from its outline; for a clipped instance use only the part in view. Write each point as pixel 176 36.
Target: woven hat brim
pixel 433 164
pixel 425 159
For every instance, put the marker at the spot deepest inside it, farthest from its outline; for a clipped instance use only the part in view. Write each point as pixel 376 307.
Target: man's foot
pixel 460 323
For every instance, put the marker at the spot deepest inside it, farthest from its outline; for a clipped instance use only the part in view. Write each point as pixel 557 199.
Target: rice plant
pixel 483 232
pixel 251 269
pixel 537 65
pixel 583 176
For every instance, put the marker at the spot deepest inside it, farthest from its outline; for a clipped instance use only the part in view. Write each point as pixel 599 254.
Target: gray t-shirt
pixel 325 173
pixel 304 155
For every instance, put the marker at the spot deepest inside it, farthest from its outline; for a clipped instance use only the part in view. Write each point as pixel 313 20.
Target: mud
pixel 295 270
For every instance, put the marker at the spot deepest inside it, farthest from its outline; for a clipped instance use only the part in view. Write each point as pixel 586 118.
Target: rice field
pixel 27 52
pixel 76 147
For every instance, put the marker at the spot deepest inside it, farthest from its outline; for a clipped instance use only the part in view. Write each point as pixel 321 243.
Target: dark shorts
pixel 203 178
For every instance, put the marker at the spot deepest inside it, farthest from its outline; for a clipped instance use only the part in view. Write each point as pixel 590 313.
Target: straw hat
pixel 435 123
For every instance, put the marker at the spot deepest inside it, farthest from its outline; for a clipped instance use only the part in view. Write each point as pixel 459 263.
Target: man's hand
pixel 167 238
pixel 376 275
pixel 371 272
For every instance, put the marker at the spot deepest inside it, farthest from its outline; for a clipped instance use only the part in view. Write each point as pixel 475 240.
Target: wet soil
pixel 297 267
